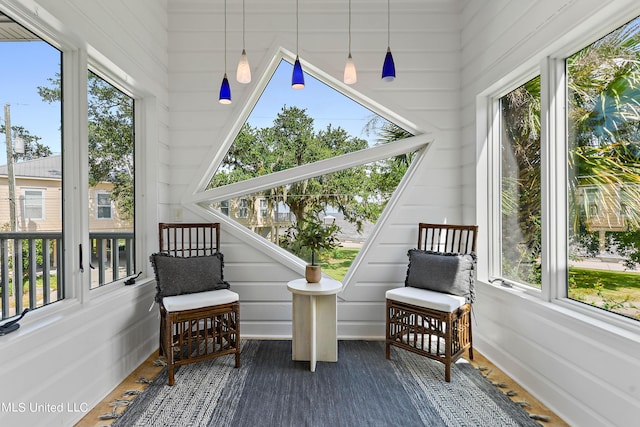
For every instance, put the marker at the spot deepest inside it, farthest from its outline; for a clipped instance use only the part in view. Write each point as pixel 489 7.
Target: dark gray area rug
pixel 361 389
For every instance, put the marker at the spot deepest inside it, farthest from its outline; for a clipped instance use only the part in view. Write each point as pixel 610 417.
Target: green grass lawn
pixel 338 262
pixel 616 291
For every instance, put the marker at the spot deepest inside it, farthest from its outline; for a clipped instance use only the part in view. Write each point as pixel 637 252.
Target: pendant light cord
pixel 349 27
pixel 297 27
pixel 388 23
pixel 243 22
pixel 225 36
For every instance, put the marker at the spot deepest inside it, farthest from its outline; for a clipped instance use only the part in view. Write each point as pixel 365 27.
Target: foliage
pixel 310 234
pixel 33 149
pixel 359 193
pixel 111 138
pixel 386 174
pixel 604 123
pixel 521 185
pixel 628 244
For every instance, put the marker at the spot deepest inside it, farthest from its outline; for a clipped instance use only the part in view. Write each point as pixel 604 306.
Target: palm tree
pixel 604 130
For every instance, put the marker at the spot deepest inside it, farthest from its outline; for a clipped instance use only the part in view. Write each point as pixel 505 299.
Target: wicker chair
pixel 200 325
pixel 431 323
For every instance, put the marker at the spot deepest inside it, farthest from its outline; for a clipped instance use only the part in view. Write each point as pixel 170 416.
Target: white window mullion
pixel 553 153
pixel 495 190
pixel 75 166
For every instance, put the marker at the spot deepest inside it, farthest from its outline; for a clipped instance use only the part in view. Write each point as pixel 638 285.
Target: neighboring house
pixel 606 208
pixel 258 214
pixel 39 199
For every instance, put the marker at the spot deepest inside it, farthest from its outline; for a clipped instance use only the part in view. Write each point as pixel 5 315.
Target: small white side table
pixel 314 323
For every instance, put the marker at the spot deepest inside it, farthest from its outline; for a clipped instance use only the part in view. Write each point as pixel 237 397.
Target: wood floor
pixel 102 414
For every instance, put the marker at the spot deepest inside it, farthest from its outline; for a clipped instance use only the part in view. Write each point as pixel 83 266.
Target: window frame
pixel 98 205
pixel 243 208
pixel 554 186
pixel 43 206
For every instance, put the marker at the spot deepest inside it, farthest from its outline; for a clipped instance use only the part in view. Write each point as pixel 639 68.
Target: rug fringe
pixel 542 418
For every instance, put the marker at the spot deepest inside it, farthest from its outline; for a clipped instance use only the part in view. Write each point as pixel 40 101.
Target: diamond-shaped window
pixel 312 153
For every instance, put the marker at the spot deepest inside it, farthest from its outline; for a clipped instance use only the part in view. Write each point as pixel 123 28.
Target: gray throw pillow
pixel 450 273
pixel 186 275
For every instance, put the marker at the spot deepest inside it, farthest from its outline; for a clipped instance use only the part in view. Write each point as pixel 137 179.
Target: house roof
pixel 44 167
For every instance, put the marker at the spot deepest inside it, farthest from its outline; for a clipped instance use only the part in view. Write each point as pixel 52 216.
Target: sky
pixel 27 65
pixel 324 104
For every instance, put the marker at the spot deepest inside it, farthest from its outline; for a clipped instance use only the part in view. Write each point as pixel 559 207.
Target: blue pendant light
pixel 388 68
pixel 297 78
pixel 225 89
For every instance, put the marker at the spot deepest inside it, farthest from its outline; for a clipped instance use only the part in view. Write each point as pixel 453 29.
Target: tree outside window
pixel 604 162
pixel 520 184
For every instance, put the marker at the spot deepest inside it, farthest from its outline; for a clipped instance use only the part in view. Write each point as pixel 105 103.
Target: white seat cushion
pixel 427 299
pixel 199 300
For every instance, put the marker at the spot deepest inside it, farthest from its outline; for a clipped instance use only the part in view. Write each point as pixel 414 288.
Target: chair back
pixel 447 238
pixel 189 239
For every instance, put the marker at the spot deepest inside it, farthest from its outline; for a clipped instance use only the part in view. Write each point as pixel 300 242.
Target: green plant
pixel 311 234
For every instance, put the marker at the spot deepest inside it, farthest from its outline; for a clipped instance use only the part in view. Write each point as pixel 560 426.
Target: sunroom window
pixel 603 106
pixel 111 180
pixel 30 173
pixel 590 184
pixel 292 129
pixel 520 191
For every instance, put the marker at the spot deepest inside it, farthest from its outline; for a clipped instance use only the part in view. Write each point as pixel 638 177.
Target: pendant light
pixel 350 76
pixel 388 68
pixel 225 90
pixel 243 74
pixel 297 78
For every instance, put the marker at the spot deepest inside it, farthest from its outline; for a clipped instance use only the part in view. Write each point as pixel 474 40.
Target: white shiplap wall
pixel 426 46
pixel 67 356
pixel 584 369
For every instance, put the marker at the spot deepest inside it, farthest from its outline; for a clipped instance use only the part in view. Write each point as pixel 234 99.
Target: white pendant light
pixel 243 74
pixel 350 75
pixel 225 89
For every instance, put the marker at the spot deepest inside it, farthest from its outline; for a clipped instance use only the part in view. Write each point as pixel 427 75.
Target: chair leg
pixel 168 347
pixel 238 358
pixel 170 369
pixel 161 337
pixel 470 339
pixel 447 372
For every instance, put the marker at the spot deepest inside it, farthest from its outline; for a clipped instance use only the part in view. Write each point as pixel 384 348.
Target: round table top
pixel 326 286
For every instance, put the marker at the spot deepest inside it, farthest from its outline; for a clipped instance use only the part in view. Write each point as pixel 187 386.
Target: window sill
pixel 581 313
pixel 50 314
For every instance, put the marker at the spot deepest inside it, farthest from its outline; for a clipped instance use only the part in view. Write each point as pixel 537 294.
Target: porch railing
pixel 38 279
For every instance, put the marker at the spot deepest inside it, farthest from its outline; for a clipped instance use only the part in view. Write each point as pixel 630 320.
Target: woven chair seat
pixel 426 298
pixel 199 300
